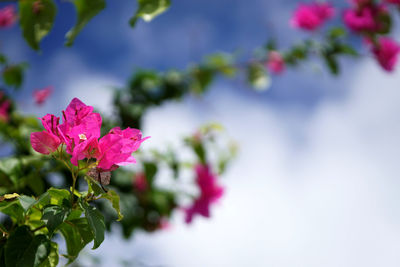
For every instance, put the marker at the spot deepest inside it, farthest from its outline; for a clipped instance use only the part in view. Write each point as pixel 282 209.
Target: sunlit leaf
pixel 36 20
pixel 86 10
pixel 149 9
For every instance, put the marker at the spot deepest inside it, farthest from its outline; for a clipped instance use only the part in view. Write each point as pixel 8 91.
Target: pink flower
pixel 117 146
pixel 44 142
pixel 79 124
pixel 140 182
pixel 210 192
pixel 4 109
pixel 41 95
pixel 80 131
pixel 386 52
pixel 47 141
pixel 7 16
pixel 311 16
pixel 365 19
pixel 275 62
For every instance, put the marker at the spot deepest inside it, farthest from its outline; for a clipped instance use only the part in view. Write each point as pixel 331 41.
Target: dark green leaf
pixel 36 20
pixel 336 32
pixel 150 169
pixel 14 75
pixel 54 215
pixel 86 10
pixel 149 9
pixel 24 249
pixel 96 222
pixel 332 63
pixel 77 235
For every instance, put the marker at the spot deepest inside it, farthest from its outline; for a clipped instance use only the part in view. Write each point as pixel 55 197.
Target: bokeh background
pixel 316 180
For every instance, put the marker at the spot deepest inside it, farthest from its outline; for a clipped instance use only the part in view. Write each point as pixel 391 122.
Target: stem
pixel 73 187
pixel 40 227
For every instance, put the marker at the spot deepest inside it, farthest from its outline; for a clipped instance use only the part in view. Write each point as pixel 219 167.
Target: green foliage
pixel 54 216
pixel 257 76
pixel 95 221
pixel 36 20
pixel 86 10
pixel 13 75
pixel 149 9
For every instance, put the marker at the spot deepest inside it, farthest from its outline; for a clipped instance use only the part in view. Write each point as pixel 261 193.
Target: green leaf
pixel 77 235
pixel 26 202
pixel 96 222
pixel 54 215
pixel 150 169
pixel 149 9
pixel 13 209
pixel 332 63
pixel 36 20
pixel 258 77
pixel 13 75
pixel 86 10
pixel 58 195
pixel 24 249
pixel 113 197
pixel 52 259
pixel 336 32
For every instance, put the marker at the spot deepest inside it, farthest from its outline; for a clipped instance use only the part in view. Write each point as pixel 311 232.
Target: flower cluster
pixel 366 17
pixel 7 17
pixel 312 16
pixel 80 133
pixel 210 192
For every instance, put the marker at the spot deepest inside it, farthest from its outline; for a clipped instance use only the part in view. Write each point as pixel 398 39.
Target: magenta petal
pixel 44 142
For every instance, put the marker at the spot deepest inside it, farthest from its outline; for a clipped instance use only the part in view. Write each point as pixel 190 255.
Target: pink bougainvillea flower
pixel 7 17
pixel 386 53
pixel 311 16
pixel 41 95
pixel 87 149
pixel 44 142
pixel 80 123
pixel 140 182
pixel 210 192
pixel 117 146
pixel 4 109
pixel 275 62
pixel 365 19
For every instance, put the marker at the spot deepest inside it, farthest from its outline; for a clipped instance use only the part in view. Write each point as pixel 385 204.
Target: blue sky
pixel 316 181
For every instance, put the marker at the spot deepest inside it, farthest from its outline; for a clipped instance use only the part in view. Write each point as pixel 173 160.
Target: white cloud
pixel 331 201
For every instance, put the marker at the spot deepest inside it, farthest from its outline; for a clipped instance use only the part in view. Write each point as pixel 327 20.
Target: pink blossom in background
pixel 312 16
pixel 41 95
pixel 210 192
pixel 361 2
pixel 386 52
pixel 275 62
pixel 7 17
pixel 366 19
pixel 4 109
pixel 164 224
pixel 140 182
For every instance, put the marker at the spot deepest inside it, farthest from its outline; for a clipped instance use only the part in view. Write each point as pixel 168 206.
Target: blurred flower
pixel 392 1
pixel 386 52
pixel 312 16
pixel 41 95
pixel 210 192
pixel 140 182
pixel 7 17
pixel 4 109
pixel 275 62
pixel 365 19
